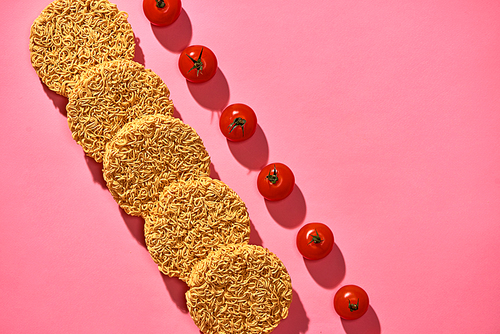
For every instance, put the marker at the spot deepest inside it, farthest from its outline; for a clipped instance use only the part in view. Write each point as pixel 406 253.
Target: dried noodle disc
pixel 239 289
pixel 148 154
pixel 72 35
pixel 109 95
pixel 191 219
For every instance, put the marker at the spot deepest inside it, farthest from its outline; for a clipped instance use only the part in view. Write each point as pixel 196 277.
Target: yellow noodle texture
pixel 109 95
pixel 239 289
pixel 71 35
pixel 191 219
pixel 155 166
pixel 146 155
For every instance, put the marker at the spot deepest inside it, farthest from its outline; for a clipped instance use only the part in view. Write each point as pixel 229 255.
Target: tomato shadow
pixel 255 238
pixel 136 227
pixel 297 321
pixel 177 290
pixel 177 36
pixel 213 94
pixel 289 212
pixel 59 101
pixel 367 324
pixel 329 271
pixel 139 54
pixel 252 153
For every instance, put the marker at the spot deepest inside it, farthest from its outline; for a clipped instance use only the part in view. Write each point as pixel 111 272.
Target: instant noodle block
pixel 239 289
pixel 148 154
pixel 70 36
pixel 191 219
pixel 108 96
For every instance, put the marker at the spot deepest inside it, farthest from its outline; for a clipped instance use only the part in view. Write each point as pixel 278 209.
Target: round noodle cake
pixel 72 35
pixel 239 289
pixel 191 219
pixel 109 95
pixel 148 154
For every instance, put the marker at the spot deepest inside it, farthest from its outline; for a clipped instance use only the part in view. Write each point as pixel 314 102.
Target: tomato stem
pixel 197 64
pixel 315 238
pixel 238 121
pixel 160 3
pixel 273 178
pixel 353 307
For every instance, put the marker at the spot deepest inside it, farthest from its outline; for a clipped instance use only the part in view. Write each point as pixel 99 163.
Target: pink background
pixel 387 112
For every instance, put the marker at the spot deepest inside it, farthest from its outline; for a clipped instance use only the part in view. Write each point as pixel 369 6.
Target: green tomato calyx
pixel 160 3
pixel 273 178
pixel 353 307
pixel 316 238
pixel 197 64
pixel 238 121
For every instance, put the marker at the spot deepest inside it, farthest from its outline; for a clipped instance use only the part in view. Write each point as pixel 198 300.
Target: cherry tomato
pixel 162 12
pixel 275 181
pixel 197 63
pixel 238 122
pixel 315 241
pixel 351 302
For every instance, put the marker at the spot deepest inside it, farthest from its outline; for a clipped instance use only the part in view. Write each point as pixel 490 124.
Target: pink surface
pixel 386 111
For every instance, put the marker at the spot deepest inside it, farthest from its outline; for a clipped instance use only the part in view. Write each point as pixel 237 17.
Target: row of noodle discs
pixel 195 218
pixel 155 166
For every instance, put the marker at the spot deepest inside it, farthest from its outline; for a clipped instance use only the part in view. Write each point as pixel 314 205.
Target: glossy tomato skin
pixel 351 302
pixel 164 16
pixel 284 183
pixel 238 122
pixel 315 241
pixel 207 63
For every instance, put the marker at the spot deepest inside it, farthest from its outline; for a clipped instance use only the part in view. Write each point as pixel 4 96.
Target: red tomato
pixel 197 63
pixel 315 241
pixel 238 122
pixel 351 302
pixel 275 181
pixel 162 12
